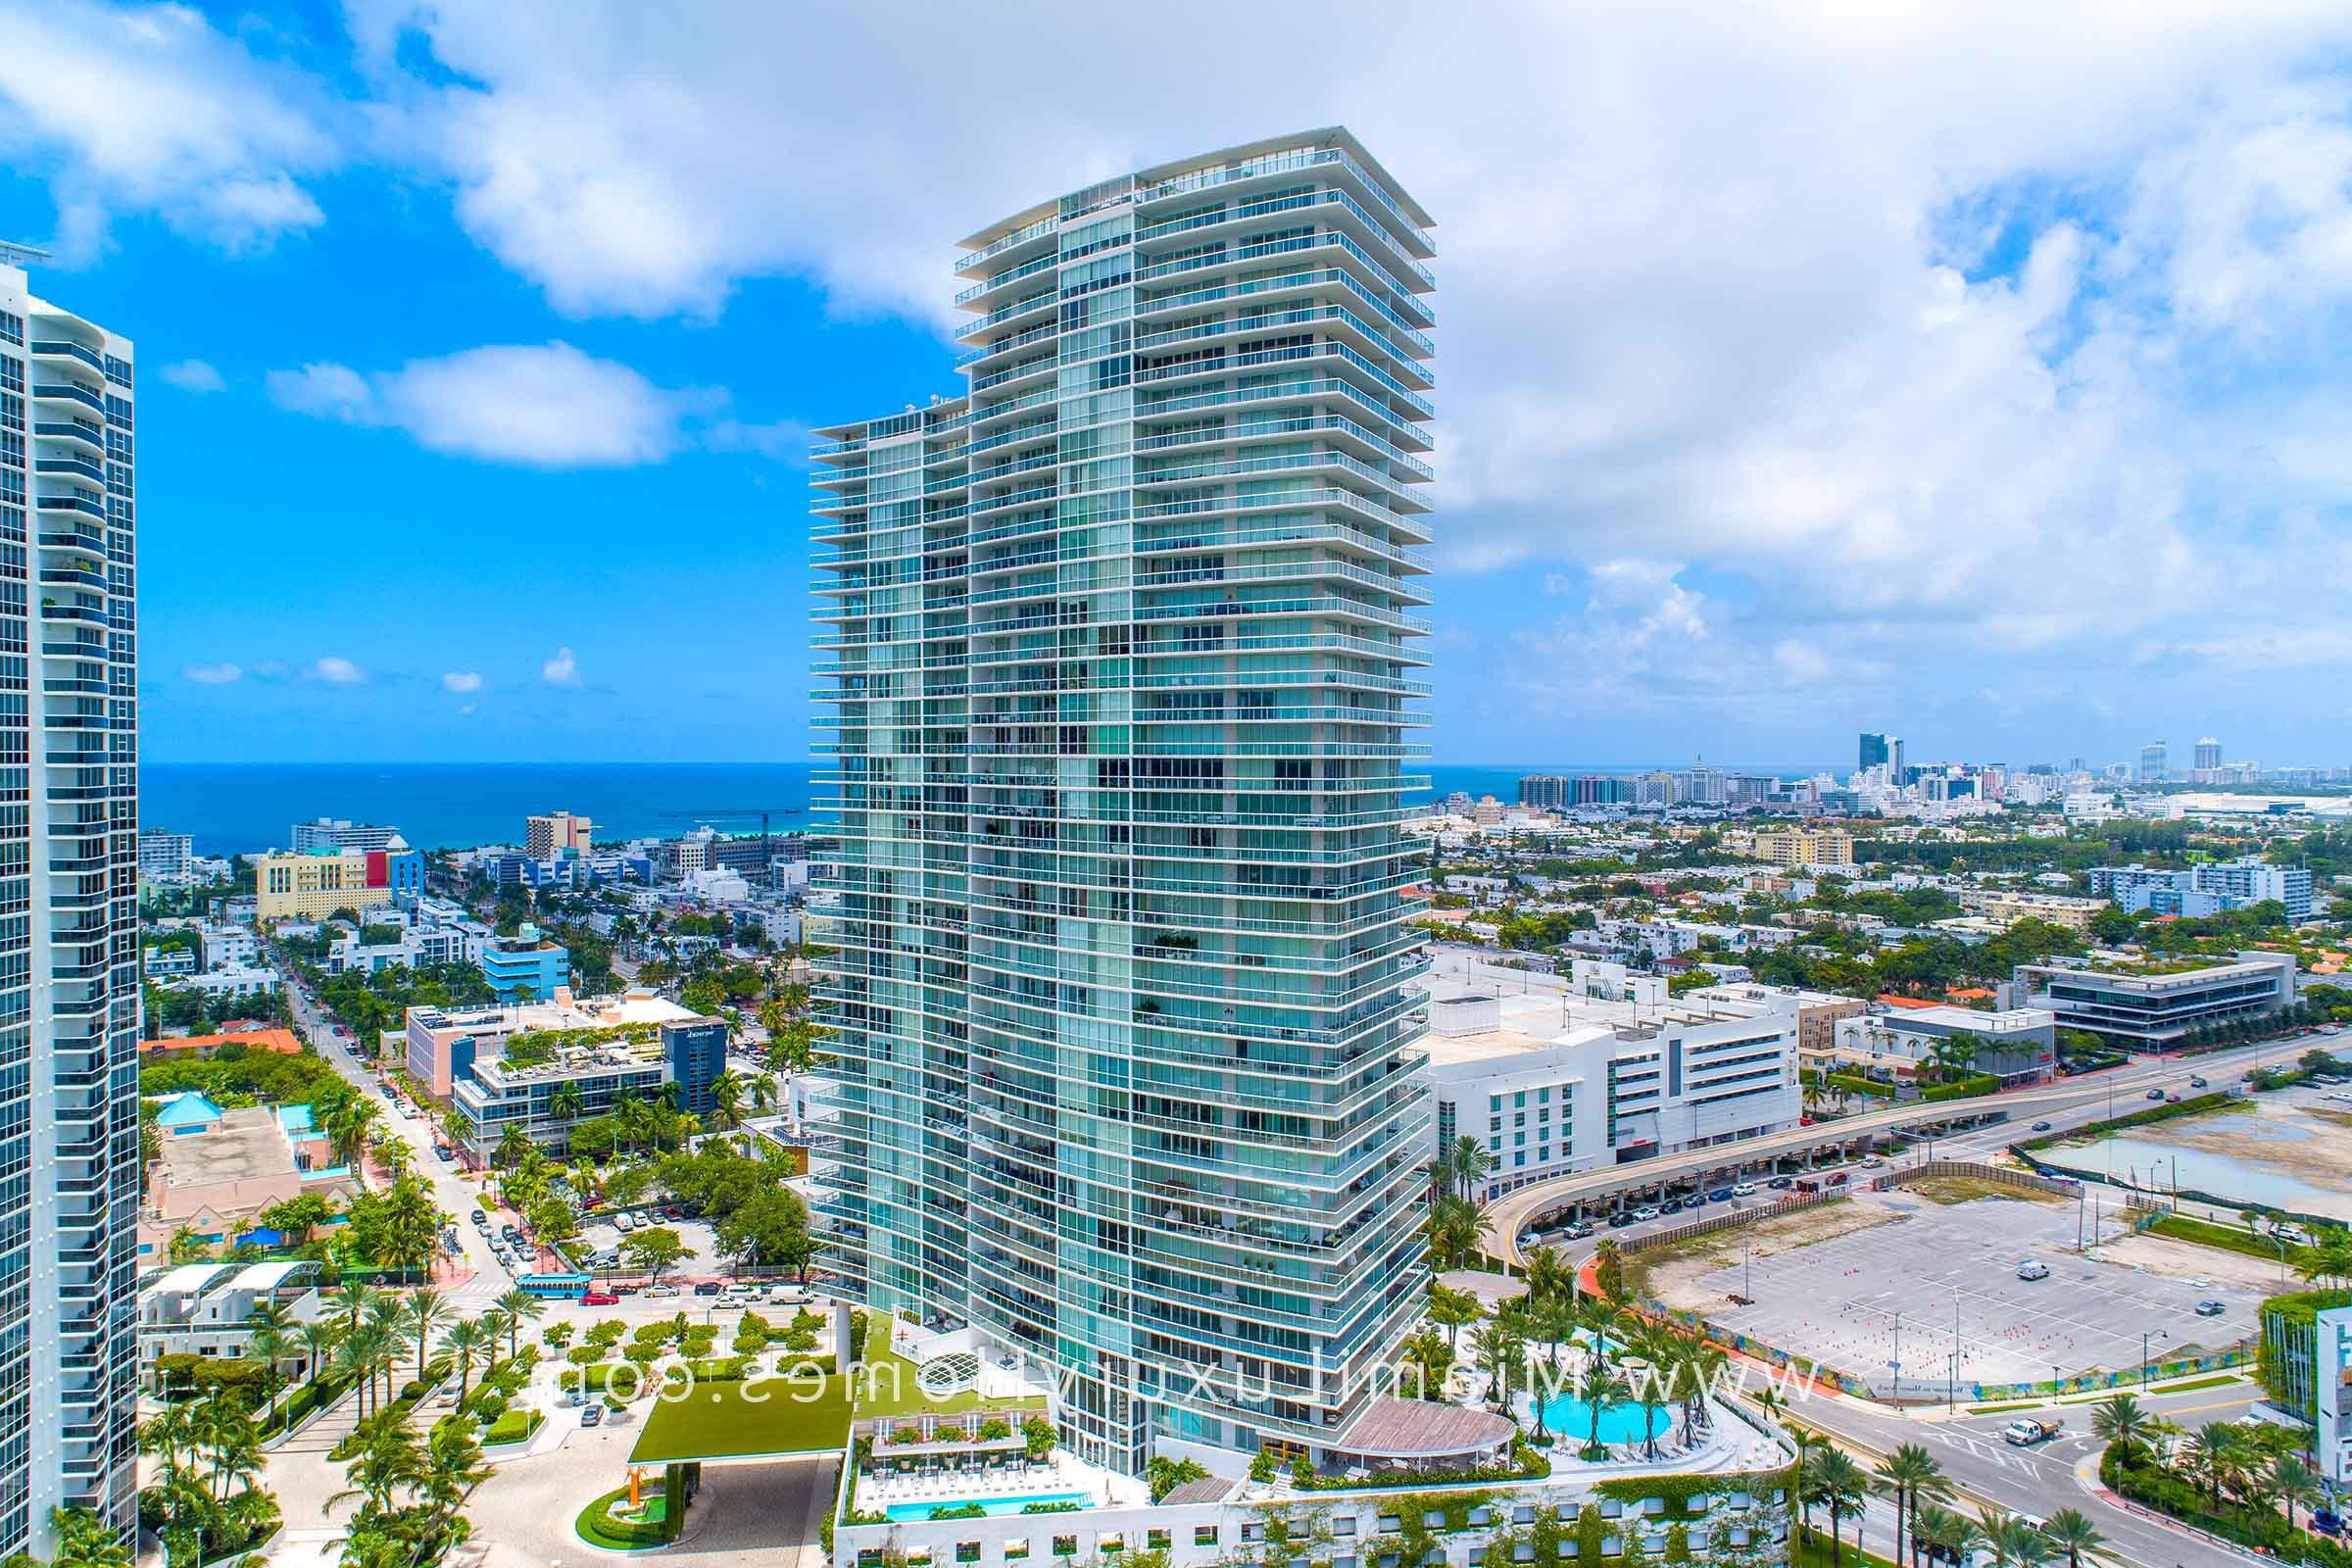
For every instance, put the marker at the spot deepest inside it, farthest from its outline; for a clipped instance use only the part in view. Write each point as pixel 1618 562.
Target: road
pixel 2041 1480
pixel 2065 1104
pixel 452 1190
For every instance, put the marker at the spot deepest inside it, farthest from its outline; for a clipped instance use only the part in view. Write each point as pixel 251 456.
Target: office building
pixel 326 834
pixel 2208 758
pixel 557 833
pixel 2151 762
pixel 1628 1077
pixel 525 967
pixel 1897 1037
pixel 546 1093
pixel 313 884
pixel 168 858
pixel 1121 644
pixel 2154 1007
pixel 68 952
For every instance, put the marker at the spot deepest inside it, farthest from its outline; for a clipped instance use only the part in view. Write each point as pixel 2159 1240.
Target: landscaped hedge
pixel 2152 1487
pixel 183 1373
pixel 1968 1088
pixel 515 1426
pixel 596 1526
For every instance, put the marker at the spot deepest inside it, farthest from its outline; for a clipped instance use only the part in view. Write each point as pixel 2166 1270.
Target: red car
pixel 599 1299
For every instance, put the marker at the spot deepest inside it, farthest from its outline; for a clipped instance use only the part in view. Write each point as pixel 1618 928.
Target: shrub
pixel 515 1425
pixel 799 1340
pixel 811 1321
pixel 588 1354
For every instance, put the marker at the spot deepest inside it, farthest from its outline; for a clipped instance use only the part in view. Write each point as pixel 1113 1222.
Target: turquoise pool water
pixel 1572 1418
pixel 901 1513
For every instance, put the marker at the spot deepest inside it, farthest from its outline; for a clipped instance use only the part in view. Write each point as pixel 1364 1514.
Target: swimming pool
pixel 901 1513
pixel 1626 1422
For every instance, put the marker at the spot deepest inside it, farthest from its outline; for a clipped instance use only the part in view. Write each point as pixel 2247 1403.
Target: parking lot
pixel 1932 1272
pixel 703 1261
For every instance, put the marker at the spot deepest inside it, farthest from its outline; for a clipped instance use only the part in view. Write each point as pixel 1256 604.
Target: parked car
pixel 1781 1183
pixel 1578 1231
pixel 2212 1308
pixel 1873 1163
pixel 1722 1194
pixel 660 1293
pixel 599 1299
pixel 1620 1220
pixel 593 1416
pixel 708 1288
pixel 1646 1213
pixel 1672 1206
pixel 479 1217
pixel 1745 1190
pixel 2033 1268
pixel 623 1224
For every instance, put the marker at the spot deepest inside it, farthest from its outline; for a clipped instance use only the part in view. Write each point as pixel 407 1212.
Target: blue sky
pixel 1973 375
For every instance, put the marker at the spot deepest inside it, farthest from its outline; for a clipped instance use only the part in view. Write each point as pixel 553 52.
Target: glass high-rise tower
pixel 1122 651
pixel 68 931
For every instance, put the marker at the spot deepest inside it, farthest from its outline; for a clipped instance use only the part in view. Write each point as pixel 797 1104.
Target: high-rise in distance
pixel 1122 645
pixel 68 935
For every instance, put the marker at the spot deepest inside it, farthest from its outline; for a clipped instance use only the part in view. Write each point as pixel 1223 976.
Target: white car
pixel 660 1293
pixel 623 1224
pixel 2033 1268
pixel 1745 1190
pixel 1644 1213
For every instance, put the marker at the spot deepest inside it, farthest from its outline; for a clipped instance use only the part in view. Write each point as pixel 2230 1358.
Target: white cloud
pixel 546 406
pixel 194 375
pixel 148 109
pixel 461 680
pixel 561 670
pixel 221 674
pixel 336 670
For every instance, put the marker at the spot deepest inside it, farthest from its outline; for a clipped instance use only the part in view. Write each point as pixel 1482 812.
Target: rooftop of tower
pixel 1337 138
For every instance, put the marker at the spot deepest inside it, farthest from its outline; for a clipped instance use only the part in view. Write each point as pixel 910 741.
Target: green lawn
pixel 885 1386
pixel 2228 1238
pixel 747 1420
pixel 1815 1553
pixel 2194 1384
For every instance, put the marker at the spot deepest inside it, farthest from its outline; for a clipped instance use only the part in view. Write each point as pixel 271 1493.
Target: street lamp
pixel 2143 1353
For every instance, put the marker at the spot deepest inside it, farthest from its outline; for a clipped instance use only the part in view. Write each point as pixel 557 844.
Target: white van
pixel 2033 1268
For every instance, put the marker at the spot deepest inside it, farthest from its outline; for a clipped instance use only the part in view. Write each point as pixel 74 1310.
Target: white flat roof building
pixel 1554 1084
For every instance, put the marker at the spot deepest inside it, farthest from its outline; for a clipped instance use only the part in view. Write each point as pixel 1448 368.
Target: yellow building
pixel 556 833
pixel 313 884
pixel 1794 847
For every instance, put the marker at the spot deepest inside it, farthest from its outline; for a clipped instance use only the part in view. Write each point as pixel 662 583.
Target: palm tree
pixel 1840 1486
pixel 1498 1346
pixel 1467 1162
pixel 2013 1542
pixel 384 1461
pixel 1946 1534
pixel 1608 1266
pixel 317 1337
pixel 2123 1421
pixel 1913 1475
pixel 86 1541
pixel 2293 1483
pixel 1599 1387
pixel 513 1145
pixel 566 1103
pixel 498 1323
pixel 1810 1446
pixel 1650 1388
pixel 2072 1534
pixel 2213 1454
pixel 1458 1231
pixel 521 1306
pixel 1454 1311
pixel 1548 1275
pixel 426 1315
pixel 354 1300
pixel 463 1342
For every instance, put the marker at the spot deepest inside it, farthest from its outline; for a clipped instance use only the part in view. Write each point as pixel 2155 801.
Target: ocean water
pixel 235 808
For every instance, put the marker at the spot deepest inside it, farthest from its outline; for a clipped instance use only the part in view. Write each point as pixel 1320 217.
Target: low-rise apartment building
pixel 1803 847
pixel 2208 888
pixel 2154 1006
pixel 208 1308
pixel 2008 906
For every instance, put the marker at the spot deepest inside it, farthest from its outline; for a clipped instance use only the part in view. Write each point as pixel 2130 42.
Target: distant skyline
pixel 1788 390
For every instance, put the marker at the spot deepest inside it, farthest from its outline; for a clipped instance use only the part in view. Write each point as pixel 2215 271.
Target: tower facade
pixel 68 931
pixel 1122 652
